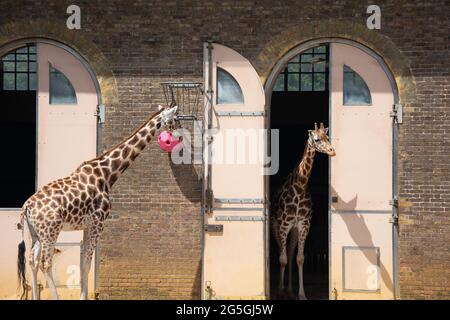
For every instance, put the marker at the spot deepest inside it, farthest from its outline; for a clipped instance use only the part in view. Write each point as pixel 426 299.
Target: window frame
pixel 298 61
pixel 15 53
pixel 218 92
pixel 366 87
pixel 51 67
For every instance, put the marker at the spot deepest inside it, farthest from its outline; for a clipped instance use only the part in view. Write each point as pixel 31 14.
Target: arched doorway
pixel 49 127
pixel 351 246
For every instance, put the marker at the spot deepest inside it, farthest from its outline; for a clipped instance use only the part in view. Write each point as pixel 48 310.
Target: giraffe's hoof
pixel 302 297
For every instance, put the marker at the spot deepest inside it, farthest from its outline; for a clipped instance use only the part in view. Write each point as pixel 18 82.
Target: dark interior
pixel 294 113
pixel 17 138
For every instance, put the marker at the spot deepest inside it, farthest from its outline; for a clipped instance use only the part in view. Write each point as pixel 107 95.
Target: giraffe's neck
pixel 116 160
pixel 304 169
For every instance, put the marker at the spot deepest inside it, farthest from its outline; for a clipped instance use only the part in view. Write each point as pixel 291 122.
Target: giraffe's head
pixel 168 117
pixel 318 140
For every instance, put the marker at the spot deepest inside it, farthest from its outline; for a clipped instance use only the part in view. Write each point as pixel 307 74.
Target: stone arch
pixel 20 31
pixel 397 63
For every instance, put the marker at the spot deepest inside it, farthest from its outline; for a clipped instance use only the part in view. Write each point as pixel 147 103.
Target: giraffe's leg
pixel 33 249
pixel 48 249
pixel 303 229
pixel 34 264
pixel 293 238
pixel 90 238
pixel 283 233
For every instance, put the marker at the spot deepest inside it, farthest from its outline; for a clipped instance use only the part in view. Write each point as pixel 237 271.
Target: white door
pixel 67 135
pixel 361 176
pixel 234 256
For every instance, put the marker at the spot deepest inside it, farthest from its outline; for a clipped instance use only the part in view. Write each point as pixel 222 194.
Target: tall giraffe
pixel 293 207
pixel 79 202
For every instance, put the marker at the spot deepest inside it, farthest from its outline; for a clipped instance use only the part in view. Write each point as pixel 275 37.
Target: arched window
pixel 305 72
pixel 356 91
pixel 19 70
pixel 228 89
pixel 61 90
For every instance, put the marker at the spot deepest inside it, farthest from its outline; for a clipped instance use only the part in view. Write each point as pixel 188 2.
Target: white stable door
pixel 361 176
pixel 234 256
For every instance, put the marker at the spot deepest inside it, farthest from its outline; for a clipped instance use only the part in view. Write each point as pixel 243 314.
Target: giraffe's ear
pixel 160 107
pixel 310 132
pixel 326 130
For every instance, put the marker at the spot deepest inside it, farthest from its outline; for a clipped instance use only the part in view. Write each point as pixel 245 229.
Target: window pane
pixel 8 66
pixel 293 82
pixel 306 67
pixel 279 84
pixel 8 81
pixel 32 49
pixel 22 57
pixel 319 66
pixel 228 90
pixel 356 91
pixel 320 49
pixel 32 57
pixel 22 66
pixel 32 66
pixel 293 67
pixel 308 51
pixel 61 90
pixel 21 81
pixel 9 57
pixel 306 82
pixel 32 85
pixel 22 50
pixel 319 82
pixel 306 57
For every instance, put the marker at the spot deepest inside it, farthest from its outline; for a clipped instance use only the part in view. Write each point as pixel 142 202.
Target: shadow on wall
pixel 360 234
pixel 188 180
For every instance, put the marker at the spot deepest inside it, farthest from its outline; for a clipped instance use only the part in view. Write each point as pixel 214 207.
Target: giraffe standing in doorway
pixel 292 206
pixel 79 202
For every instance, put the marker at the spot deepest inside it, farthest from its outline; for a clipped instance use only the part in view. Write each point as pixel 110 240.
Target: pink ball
pixel 167 141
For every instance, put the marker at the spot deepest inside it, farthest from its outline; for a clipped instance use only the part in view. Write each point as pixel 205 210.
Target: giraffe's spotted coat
pixel 81 200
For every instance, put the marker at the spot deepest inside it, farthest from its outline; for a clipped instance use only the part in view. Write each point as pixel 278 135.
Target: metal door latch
pixel 100 113
pixel 214 227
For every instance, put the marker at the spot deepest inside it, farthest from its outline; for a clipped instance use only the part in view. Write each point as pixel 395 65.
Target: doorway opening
pixel 299 98
pixel 18 81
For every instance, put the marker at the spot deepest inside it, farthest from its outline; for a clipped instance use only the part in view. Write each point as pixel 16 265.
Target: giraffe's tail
pixel 21 270
pixel 21 260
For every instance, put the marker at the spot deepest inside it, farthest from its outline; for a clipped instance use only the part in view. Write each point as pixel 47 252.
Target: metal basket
pixel 186 95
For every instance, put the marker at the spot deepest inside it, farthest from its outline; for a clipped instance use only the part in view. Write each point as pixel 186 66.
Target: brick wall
pixel 152 243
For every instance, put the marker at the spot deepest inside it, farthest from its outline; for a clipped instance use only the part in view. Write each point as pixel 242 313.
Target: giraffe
pixel 79 201
pixel 293 207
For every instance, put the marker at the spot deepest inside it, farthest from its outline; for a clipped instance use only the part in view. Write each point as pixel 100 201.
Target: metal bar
pixel 360 211
pixel 238 209
pixel 241 113
pixel 239 200
pixel 240 218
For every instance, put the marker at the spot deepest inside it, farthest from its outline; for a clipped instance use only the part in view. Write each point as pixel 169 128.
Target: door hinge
pixel 209 201
pixel 394 218
pixel 397 113
pixel 100 113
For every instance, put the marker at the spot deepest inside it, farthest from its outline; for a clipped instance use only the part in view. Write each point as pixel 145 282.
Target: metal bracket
pixel 239 218
pixel 214 227
pixel 397 113
pixel 394 218
pixel 100 113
